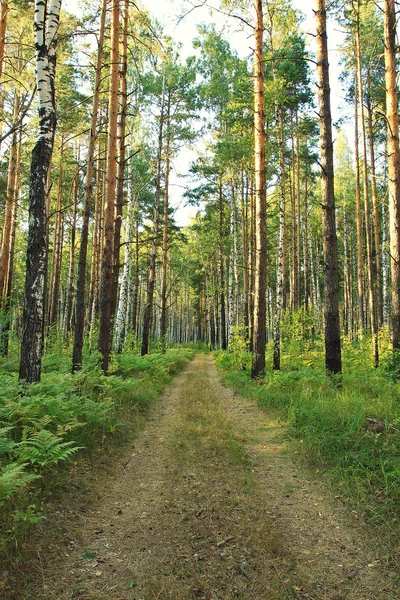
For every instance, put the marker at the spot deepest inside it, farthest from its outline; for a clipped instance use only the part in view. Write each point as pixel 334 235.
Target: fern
pixel 45 449
pixel 6 445
pixel 12 477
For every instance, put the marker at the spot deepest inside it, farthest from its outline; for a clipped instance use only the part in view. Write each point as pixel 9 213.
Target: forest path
pixel 207 504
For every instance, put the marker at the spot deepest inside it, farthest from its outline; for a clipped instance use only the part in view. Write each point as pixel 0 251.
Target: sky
pixel 168 12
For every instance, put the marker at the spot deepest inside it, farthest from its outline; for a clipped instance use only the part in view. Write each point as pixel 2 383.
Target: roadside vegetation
pixel 63 418
pixel 346 428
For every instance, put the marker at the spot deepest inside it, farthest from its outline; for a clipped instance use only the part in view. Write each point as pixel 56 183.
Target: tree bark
pixel 79 327
pixel 11 187
pixel 223 339
pixel 333 360
pixel 375 209
pixel 359 224
pixel 3 28
pixel 47 15
pixel 392 117
pixel 148 309
pixel 371 294
pixel 258 354
pixel 71 268
pixel 107 267
pixel 165 240
pixel 121 155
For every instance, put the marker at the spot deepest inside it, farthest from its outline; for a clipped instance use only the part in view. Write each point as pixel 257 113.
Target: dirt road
pixel 207 504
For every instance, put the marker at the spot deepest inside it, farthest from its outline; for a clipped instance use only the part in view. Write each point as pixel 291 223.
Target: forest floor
pixel 208 504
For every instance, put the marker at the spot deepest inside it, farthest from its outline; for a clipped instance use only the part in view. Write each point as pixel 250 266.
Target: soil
pixel 207 503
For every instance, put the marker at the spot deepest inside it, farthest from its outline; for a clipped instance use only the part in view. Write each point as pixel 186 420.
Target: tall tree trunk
pixel 11 187
pixel 258 354
pixel 165 240
pixel 148 309
pixel 245 254
pixel 6 323
pixel 57 248
pixel 136 280
pixel 359 225
pixel 81 278
pixel 298 210
pixel 107 267
pixel 305 246
pixel 121 155
pixel 371 294
pixel 392 116
pixel 92 310
pixel 251 262
pixel 47 15
pixel 375 208
pixel 3 28
pixel 281 276
pixel 223 339
pixel 333 360
pixel 71 268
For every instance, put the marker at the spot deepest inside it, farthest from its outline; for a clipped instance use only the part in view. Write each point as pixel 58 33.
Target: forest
pixel 287 275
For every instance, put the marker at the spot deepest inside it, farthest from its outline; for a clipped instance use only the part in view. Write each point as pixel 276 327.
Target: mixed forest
pixel 290 270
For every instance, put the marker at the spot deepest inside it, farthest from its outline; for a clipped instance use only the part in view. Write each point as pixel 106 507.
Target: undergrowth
pixel 45 425
pixel 347 429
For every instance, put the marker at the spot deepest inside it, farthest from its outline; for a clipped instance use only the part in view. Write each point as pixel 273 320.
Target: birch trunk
pixel 47 15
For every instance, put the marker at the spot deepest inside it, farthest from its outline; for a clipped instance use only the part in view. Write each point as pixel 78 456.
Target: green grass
pixel 327 418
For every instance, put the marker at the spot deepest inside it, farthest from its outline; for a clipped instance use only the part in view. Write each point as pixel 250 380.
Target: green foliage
pixel 45 449
pixel 12 477
pixel 349 432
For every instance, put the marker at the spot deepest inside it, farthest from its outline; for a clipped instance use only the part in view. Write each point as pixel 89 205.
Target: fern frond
pixel 12 477
pixel 45 449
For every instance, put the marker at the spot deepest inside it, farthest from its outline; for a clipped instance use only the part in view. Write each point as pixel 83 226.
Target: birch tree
pixel 46 21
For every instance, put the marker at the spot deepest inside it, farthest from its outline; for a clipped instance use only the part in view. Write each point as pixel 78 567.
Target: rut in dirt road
pixel 208 505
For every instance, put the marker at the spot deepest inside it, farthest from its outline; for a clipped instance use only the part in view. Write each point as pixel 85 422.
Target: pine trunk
pixel 81 278
pixel 371 294
pixel 259 337
pixel 359 224
pixel 333 360
pixel 392 116
pixel 107 267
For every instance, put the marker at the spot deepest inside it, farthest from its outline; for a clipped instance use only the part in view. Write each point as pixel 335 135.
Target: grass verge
pixel 350 432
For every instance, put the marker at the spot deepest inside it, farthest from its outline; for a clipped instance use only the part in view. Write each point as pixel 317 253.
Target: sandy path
pixel 207 504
